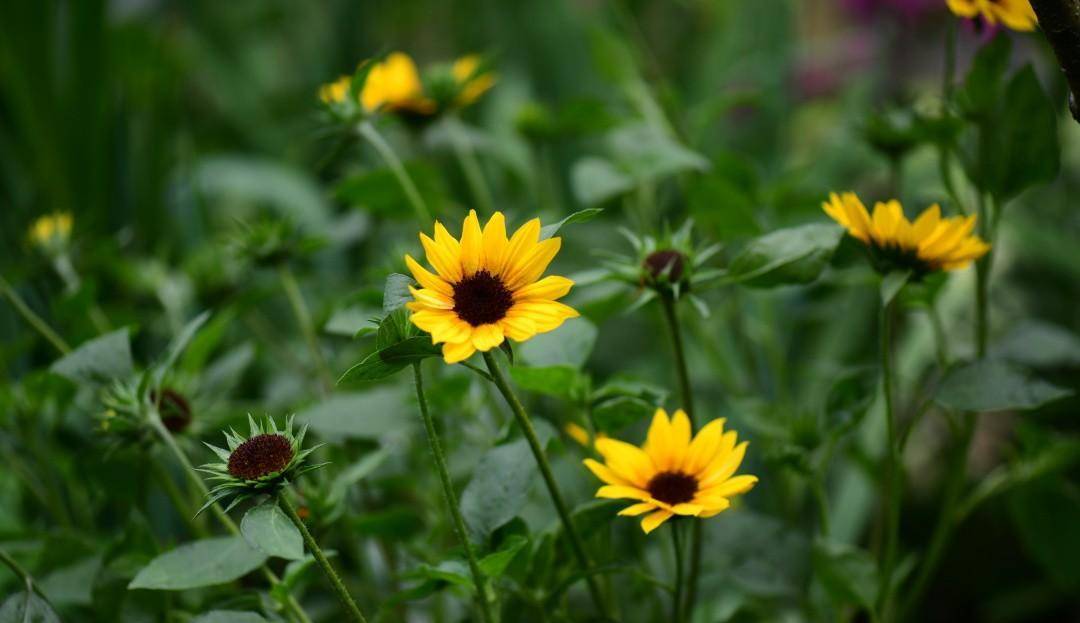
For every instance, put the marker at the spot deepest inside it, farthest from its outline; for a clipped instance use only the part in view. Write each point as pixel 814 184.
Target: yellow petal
pixel 722 469
pixel 456 330
pixel 494 239
pixel 730 487
pixel 487 336
pixel 549 288
pixel 715 510
pixel 520 245
pixel 444 260
pixel 431 298
pixel 617 492
pixel 432 319
pixel 472 244
pixel 545 315
pixel 453 353
pixel 653 521
pixel 602 472
pixel 637 509
pixel 680 438
pixel 627 461
pixel 658 441
pixel 704 447
pixel 427 279
pixel 518 328
pixel 528 268
pixel 687 509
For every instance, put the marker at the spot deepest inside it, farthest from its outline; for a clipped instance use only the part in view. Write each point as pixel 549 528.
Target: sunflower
pixel 928 244
pixel 1015 14
pixel 673 474
pixel 487 288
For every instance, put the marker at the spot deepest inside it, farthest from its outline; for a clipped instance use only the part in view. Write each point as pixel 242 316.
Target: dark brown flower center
pixel 481 298
pixel 260 456
pixel 665 262
pixel 673 487
pixel 174 409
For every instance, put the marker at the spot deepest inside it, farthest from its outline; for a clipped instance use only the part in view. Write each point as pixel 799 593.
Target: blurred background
pixel 162 126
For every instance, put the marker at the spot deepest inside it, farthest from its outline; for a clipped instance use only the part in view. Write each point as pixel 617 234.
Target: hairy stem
pixel 386 152
pixel 32 318
pixel 451 498
pixel 893 468
pixel 677 598
pixel 525 424
pixel 335 580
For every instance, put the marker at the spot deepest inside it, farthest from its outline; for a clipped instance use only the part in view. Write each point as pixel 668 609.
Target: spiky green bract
pixel 668 265
pixel 270 483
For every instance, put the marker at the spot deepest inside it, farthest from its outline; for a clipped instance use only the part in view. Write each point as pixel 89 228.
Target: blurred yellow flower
pixel 335 92
pixel 487 287
pixel 1015 14
pixel 471 81
pixel 580 435
pixel 928 244
pixel 52 231
pixel 394 84
pixel 673 473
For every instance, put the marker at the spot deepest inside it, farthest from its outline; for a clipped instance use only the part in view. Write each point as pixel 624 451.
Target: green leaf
pixel 1039 345
pixel 499 487
pixel 1021 148
pixel 396 292
pixel 991 385
pixel 228 616
pixel 378 191
pixel 564 382
pixel 892 284
pixel 615 414
pixel 648 154
pixel 200 563
pixel 391 360
pixel 27 607
pixel 267 529
pixel 1046 514
pixel 74 583
pixel 596 180
pixel 848 573
pixel 569 345
pixel 181 341
pixel 371 414
pixel 786 256
pixel 547 231
pixel 980 92
pixel 494 564
pixel 98 360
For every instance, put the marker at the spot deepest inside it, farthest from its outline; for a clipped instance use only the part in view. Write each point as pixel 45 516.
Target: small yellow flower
pixel 487 287
pixel 673 474
pixel 928 244
pixel 335 92
pixel 471 82
pixel 394 84
pixel 1015 14
pixel 580 435
pixel 52 231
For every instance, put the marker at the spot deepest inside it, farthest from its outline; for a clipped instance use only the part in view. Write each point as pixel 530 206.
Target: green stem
pixel 470 166
pixel 576 544
pixel 369 133
pixel 307 327
pixel 320 557
pixel 697 538
pixel 677 598
pixel 182 505
pixel 893 464
pixel 17 569
pixel 193 476
pixel 451 498
pixel 33 319
pixel 821 500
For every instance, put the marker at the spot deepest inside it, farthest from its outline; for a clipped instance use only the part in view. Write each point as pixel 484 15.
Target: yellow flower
pixel 51 231
pixel 486 287
pixel 928 244
pixel 580 435
pixel 1015 14
pixel 673 474
pixel 335 92
pixel 394 84
pixel 471 84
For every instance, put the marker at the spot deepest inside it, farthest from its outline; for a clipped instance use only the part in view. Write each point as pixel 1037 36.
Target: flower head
pixel 52 232
pixel 673 473
pixel 1014 14
pixel 471 79
pixel 260 464
pixel 487 287
pixel 930 243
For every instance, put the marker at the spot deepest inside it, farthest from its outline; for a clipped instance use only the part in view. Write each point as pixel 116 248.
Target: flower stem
pixel 451 499
pixel 369 133
pixel 470 166
pixel 175 496
pixel 307 327
pixel 32 318
pixel 677 601
pixel 893 467
pixel 671 315
pixel 167 438
pixel 17 569
pixel 320 557
pixel 576 544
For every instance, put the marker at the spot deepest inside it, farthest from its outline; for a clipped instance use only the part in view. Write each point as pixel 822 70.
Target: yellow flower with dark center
pixel 487 287
pixel 52 231
pixel 928 244
pixel 1015 14
pixel 472 82
pixel 673 473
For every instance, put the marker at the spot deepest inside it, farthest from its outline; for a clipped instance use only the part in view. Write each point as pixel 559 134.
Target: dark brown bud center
pixel 665 262
pixel 260 456
pixel 482 298
pixel 174 409
pixel 673 487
